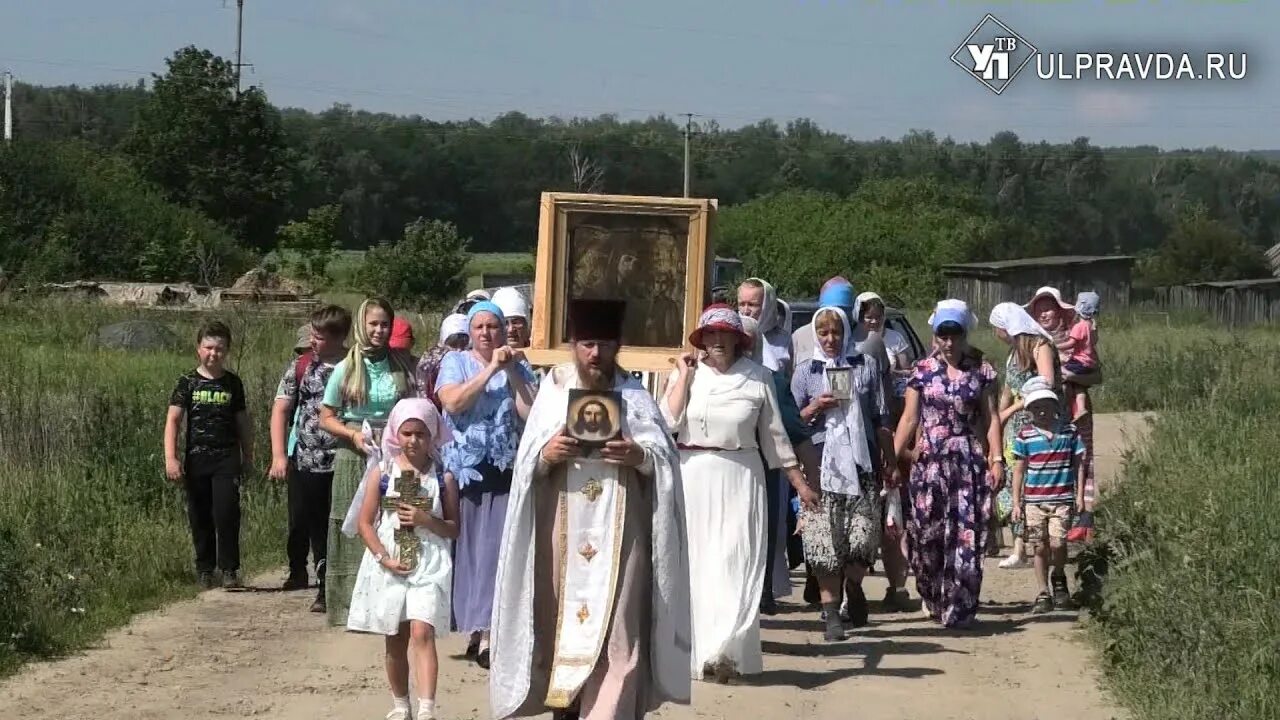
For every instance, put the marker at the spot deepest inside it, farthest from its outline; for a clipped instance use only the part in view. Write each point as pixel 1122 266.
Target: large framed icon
pixel 653 252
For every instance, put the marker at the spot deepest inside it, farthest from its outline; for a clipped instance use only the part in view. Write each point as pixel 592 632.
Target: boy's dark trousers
pixel 213 510
pixel 310 494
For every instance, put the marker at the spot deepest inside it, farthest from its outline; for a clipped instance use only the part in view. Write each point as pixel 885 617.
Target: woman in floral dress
pixel 953 393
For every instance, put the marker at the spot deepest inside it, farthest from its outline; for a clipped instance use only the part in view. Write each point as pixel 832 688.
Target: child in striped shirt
pixel 1048 489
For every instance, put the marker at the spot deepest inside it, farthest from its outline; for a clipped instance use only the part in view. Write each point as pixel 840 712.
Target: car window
pixel 899 323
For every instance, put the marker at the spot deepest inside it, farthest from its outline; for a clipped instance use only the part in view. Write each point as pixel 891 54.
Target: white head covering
pixel 751 327
pixel 958 309
pixel 768 306
pixel 1013 319
pixel 512 302
pixel 454 324
pixel 785 316
pixel 865 297
pixel 845 452
pixel 478 295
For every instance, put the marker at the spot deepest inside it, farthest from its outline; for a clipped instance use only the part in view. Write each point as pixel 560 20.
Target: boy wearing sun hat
pixel 1048 488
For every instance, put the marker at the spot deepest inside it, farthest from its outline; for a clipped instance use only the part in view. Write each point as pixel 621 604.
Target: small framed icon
pixel 594 417
pixel 840 381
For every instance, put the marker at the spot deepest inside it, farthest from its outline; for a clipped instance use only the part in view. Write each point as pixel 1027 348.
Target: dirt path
pixel 261 654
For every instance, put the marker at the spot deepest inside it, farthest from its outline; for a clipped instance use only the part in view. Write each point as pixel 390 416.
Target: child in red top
pixel 1082 368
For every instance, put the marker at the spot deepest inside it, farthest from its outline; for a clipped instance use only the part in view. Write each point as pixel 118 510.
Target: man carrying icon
pixel 591 611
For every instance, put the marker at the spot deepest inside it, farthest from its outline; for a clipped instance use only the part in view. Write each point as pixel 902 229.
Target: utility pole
pixel 8 106
pixel 239 36
pixel 689 127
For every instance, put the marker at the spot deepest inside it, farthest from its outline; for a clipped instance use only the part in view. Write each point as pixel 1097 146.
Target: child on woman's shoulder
pixel 399 593
pixel 1082 367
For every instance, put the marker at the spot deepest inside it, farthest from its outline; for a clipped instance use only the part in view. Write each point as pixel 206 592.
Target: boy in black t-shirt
pixel 219 447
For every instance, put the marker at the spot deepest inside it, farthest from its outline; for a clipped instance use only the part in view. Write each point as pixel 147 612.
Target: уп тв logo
pixel 993 54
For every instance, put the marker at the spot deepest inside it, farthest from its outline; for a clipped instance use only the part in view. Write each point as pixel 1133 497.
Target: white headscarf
pixel 768 306
pixel 751 327
pixel 511 302
pixel 455 324
pixel 785 320
pixel 864 298
pixel 845 452
pixel 1013 319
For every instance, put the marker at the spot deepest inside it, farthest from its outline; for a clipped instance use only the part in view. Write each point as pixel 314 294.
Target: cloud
pixel 1111 106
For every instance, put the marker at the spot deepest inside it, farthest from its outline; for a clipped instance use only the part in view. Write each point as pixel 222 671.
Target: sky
pixel 866 68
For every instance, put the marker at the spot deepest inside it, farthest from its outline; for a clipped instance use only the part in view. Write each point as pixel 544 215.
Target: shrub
pixel 313 242
pixel 426 266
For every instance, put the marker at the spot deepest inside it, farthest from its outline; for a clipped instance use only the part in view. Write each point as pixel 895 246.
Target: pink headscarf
pixel 415 409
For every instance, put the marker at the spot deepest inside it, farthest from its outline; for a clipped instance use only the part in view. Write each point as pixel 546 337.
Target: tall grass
pixel 90 531
pixel 1188 618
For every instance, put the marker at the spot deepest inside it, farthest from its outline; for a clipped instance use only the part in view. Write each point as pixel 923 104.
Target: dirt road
pixel 254 654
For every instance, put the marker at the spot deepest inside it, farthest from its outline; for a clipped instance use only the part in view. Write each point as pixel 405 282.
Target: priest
pixel 591 606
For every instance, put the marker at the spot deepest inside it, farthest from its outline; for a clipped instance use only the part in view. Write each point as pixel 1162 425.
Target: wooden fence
pixel 1252 302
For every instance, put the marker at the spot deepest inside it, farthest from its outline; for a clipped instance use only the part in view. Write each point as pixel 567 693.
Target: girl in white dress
pixel 410 606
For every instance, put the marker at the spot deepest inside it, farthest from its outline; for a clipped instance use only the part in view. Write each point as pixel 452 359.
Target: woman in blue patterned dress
pixel 953 393
pixel 486 393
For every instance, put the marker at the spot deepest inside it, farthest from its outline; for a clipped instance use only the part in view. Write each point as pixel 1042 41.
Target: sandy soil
pixel 260 653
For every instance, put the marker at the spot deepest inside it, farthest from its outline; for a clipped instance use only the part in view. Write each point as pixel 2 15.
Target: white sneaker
pixel 1013 561
pixel 398 714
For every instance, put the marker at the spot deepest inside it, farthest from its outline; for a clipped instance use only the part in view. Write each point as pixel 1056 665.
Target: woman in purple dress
pixel 486 392
pixel 957 466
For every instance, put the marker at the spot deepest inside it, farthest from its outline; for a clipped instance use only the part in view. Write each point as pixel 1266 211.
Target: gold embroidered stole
pixel 591 514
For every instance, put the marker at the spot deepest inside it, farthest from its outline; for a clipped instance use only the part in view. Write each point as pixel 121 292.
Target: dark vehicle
pixel 802 312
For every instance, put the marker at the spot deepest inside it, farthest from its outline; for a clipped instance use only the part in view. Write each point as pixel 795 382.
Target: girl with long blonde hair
pixel 361 392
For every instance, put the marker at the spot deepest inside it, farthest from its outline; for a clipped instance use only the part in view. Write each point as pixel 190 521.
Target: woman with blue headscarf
pixel 486 392
pixel 957 465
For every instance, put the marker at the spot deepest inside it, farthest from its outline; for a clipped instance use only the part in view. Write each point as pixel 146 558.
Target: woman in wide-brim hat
pixel 724 409
pixel 1057 316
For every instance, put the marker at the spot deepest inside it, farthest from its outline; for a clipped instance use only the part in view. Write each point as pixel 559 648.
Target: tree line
pixel 787 191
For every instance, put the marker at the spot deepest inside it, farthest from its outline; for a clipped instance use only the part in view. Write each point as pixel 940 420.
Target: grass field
pixel 1188 623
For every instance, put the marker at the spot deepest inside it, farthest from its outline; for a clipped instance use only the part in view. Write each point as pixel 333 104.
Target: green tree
pixel 1200 249
pixel 211 150
pixel 424 267
pixel 69 211
pixel 312 243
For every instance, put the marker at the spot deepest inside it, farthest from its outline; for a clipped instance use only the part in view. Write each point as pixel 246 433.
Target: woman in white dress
pixel 719 406
pixel 407 602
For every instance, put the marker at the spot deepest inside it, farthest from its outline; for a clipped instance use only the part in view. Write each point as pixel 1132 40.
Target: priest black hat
pixel 596 319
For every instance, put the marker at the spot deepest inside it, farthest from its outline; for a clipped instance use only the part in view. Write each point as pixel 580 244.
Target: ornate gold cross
pixel 592 489
pixel 583 614
pixel 408 544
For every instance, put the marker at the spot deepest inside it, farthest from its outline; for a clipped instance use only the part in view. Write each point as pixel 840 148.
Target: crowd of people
pixel 445 492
